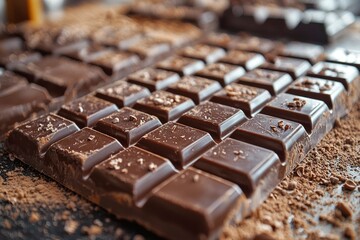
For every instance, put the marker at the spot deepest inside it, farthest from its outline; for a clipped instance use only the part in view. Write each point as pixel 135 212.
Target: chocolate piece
pixel 336 72
pixel 196 88
pixel 10 82
pixel 247 60
pixel 222 40
pixel 20 104
pixel 11 44
pixel 9 60
pixel 294 67
pixel 151 47
pixel 332 93
pixel 206 53
pixel 75 155
pixel 256 170
pixel 32 139
pixel 166 106
pixel 345 56
pixel 193 205
pixel 88 53
pixel 181 144
pixel 252 44
pixel 86 111
pixel 114 36
pixel 313 114
pixel 221 72
pixel 248 99
pixel 310 52
pixel 116 62
pixel 133 171
pixel 153 79
pixel 182 66
pixel 273 81
pixel 217 119
pixel 127 125
pixel 287 139
pixel 122 93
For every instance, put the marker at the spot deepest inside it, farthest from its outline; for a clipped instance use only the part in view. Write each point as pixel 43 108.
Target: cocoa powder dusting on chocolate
pixel 320 199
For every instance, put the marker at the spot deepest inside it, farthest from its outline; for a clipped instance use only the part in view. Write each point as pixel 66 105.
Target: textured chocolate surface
pixel 122 93
pixel 345 56
pixel 181 65
pixel 10 82
pixel 248 60
pixel 206 53
pixel 294 67
pixel 273 81
pixel 153 79
pixel 86 111
pixel 310 52
pixel 249 99
pixel 127 125
pixel 253 44
pixel 219 120
pixel 221 72
pixel 179 143
pixel 165 105
pixel 196 88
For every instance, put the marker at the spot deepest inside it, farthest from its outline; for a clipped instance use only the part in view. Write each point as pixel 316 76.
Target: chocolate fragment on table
pixel 22 103
pixel 273 81
pixel 256 170
pixel 181 144
pixel 181 65
pixel 31 140
pixel 313 114
pixel 311 52
pixel 165 105
pixel 153 79
pixel 249 99
pixel 345 56
pixel 116 63
pixel 10 82
pixel 73 157
pixel 221 72
pixel 287 139
pixel 185 205
pixel 122 93
pixel 86 111
pixel 294 67
pixel 219 120
pixel 133 171
pixel 127 125
pixel 208 54
pixel 197 88
pixel 331 92
pixel 247 60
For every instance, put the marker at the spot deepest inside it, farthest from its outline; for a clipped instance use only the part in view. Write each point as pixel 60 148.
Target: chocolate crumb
pixel 70 226
pixel 132 118
pixel 196 178
pixel 152 167
pixel 93 230
pixel 116 120
pixel 34 217
pixel 91 137
pixel 349 185
pixel 350 233
pixel 344 208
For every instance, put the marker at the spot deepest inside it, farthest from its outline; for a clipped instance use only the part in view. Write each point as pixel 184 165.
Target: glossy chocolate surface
pixel 133 171
pixel 122 93
pixel 179 143
pixel 306 111
pixel 294 67
pixel 307 51
pixel 196 88
pixel 165 105
pixel 247 165
pixel 86 111
pixel 253 44
pixel 33 138
pixel 273 81
pixel 153 79
pixel 206 53
pixel 113 36
pixel 249 99
pixel 247 60
pixel 127 125
pixel 181 65
pixel 221 72
pixel 9 60
pixel 219 120
pixel 287 139
pixel 187 201
pixel 222 40
pixel 345 56
pixel 150 47
pixel 336 72
pixel 10 82
pixel 88 53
